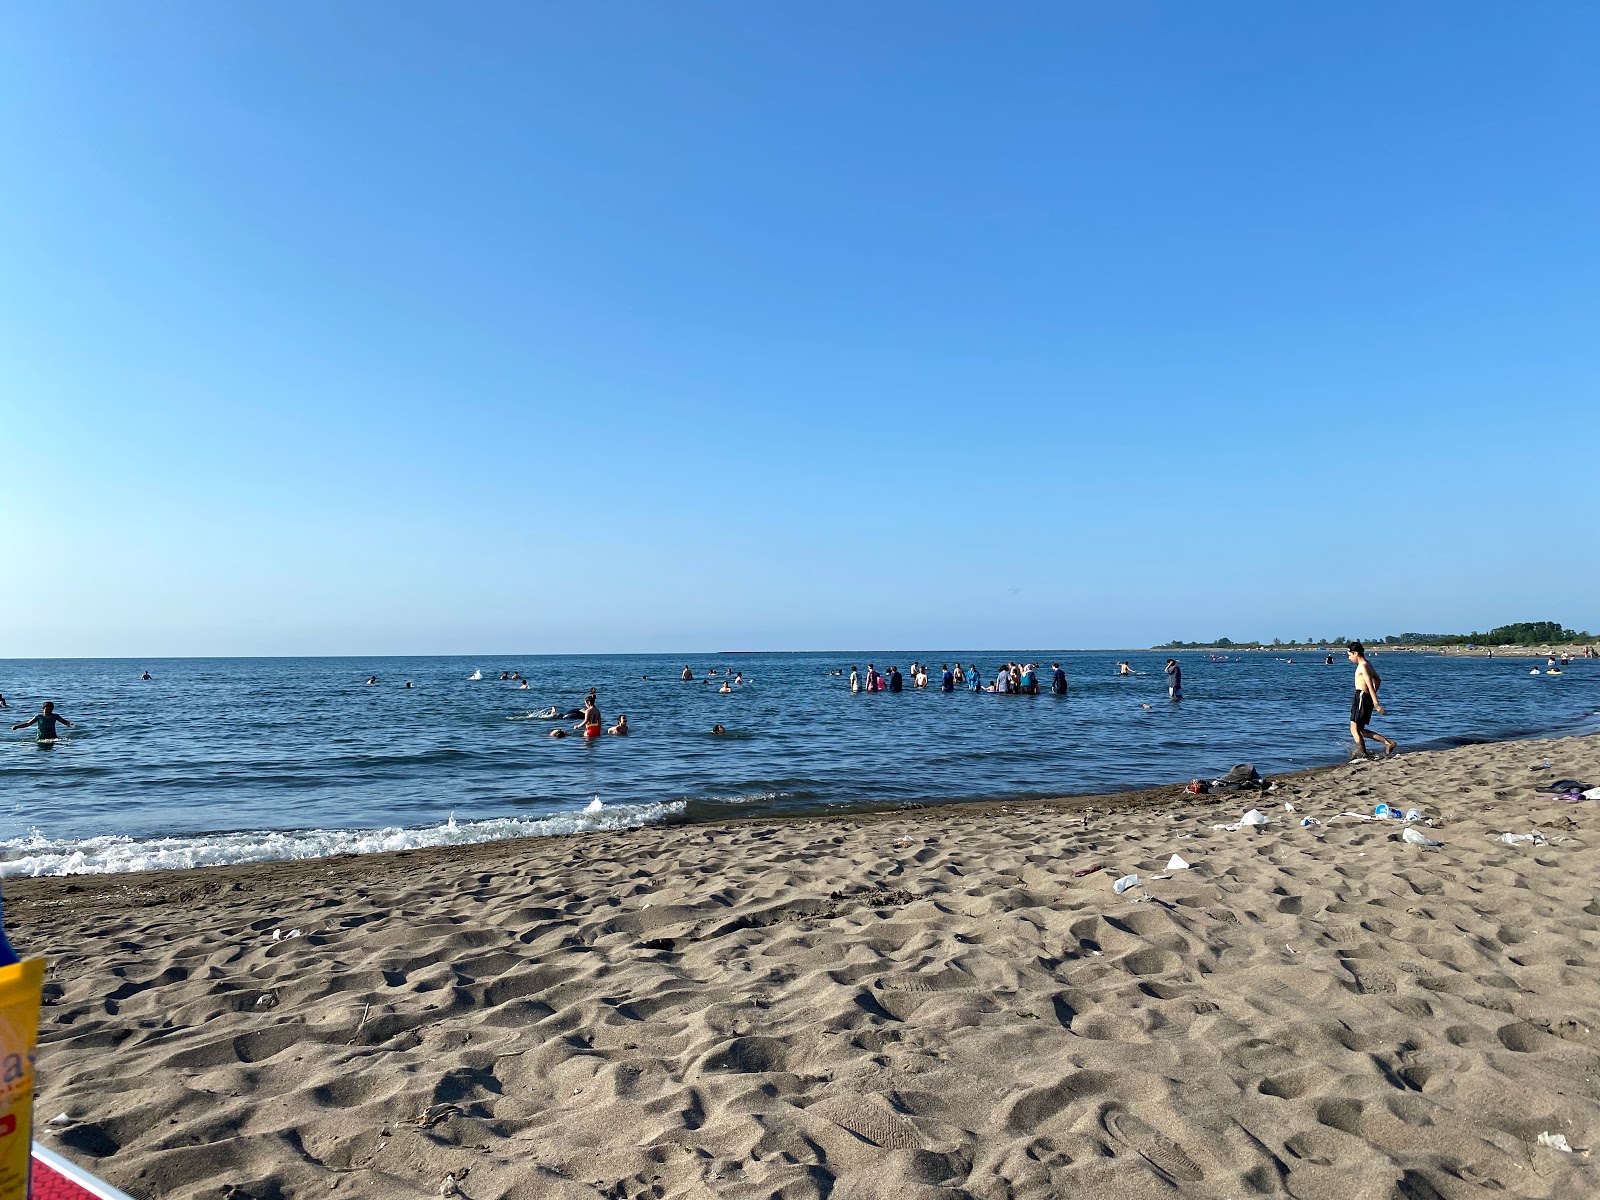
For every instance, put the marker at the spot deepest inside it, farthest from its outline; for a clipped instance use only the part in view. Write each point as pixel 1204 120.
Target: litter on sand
pixel 1556 1141
pixel 1176 863
pixel 1417 838
pixel 1254 817
pixel 1519 839
pixel 1123 884
pixel 1307 822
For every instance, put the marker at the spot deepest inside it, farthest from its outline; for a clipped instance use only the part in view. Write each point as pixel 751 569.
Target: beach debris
pixel 1413 814
pixel 1417 838
pixel 1544 766
pixel 1518 839
pixel 1288 949
pixel 1123 884
pixel 1089 870
pixel 1556 1141
pixel 1176 863
pixel 1307 822
pixel 60 1119
pixel 267 1000
pixel 1384 812
pixel 1254 817
pixel 1287 807
pixel 279 935
pixel 429 1117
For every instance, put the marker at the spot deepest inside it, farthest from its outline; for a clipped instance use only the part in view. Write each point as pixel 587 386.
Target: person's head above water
pixel 48 706
pixel 1355 650
pixel 718 729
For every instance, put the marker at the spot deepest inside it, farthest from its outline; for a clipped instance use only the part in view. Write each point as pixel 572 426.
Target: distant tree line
pixel 1523 633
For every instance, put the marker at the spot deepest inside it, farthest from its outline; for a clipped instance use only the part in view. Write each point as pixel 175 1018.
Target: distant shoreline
pixel 1571 650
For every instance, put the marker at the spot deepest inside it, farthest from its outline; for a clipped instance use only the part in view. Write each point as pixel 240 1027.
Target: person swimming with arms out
pixel 46 719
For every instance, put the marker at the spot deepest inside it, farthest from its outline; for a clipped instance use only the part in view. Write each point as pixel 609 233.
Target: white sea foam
pixel 37 854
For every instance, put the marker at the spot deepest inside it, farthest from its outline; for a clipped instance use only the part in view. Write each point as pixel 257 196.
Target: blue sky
pixel 372 328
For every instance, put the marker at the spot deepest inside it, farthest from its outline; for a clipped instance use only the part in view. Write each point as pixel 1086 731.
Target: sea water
pixel 238 760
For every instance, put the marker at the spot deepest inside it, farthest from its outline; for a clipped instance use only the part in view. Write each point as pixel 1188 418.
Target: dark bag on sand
pixel 1244 775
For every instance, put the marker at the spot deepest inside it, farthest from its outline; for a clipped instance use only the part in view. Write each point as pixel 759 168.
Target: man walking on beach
pixel 1365 702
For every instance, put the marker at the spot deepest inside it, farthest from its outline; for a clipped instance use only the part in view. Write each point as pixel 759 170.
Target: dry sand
pixel 924 1004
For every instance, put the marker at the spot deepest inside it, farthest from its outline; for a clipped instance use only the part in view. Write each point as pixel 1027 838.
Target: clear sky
pixel 419 328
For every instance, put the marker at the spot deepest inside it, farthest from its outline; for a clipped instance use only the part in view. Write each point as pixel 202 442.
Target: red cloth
pixel 48 1185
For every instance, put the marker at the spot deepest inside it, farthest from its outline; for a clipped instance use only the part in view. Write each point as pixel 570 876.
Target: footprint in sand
pixel 1166 1156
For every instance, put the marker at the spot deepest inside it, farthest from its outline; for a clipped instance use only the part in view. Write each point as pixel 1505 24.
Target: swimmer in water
pixel 46 719
pixel 718 730
pixel 738 677
pixel 523 686
pixel 3 703
pixel 592 722
pixel 687 674
pixel 725 688
pixel 620 729
pixel 410 684
pixel 146 675
pixel 371 679
pixel 558 733
pixel 1124 669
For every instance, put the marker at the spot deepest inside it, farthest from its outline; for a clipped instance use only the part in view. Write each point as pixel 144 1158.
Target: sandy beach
pixel 931 1003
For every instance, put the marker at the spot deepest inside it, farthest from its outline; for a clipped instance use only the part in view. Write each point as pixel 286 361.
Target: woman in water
pixel 855 680
pixel 592 722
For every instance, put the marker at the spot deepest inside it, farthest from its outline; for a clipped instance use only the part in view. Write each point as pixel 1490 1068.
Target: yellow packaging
pixel 20 984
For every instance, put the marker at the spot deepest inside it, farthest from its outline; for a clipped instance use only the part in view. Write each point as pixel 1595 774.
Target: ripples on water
pixel 225 760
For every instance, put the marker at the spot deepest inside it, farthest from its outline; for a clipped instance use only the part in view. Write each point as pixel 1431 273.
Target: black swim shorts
pixel 1361 709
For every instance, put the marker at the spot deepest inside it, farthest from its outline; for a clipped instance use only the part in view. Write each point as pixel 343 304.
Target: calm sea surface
pixel 229 760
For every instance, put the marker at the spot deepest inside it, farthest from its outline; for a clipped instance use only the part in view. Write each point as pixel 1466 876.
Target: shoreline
pixel 932 1003
pixel 1134 797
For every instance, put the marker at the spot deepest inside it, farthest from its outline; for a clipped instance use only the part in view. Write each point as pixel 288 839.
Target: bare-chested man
pixel 1365 702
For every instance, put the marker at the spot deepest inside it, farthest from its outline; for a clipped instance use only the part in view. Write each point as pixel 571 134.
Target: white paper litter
pixel 1592 794
pixel 1417 838
pixel 1176 863
pixel 1517 839
pixel 1556 1141
pixel 1254 817
pixel 1123 884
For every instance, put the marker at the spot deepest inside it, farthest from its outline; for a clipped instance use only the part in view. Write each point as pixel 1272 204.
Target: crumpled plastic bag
pixel 1417 838
pixel 1176 863
pixel 1123 884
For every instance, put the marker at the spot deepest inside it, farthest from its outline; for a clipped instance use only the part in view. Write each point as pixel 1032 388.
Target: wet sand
pixel 929 1003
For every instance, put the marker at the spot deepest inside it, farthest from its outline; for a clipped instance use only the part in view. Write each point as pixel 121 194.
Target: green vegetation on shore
pixel 1523 633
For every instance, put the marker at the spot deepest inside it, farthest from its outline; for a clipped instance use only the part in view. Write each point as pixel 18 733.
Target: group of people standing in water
pixel 1013 679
